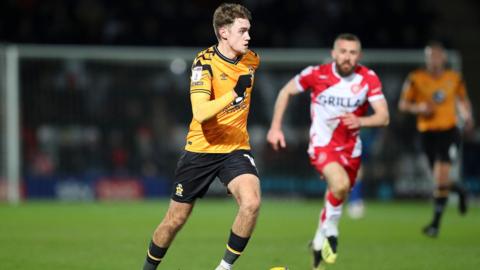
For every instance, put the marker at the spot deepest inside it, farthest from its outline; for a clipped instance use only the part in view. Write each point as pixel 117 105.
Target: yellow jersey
pixel 441 92
pixel 215 75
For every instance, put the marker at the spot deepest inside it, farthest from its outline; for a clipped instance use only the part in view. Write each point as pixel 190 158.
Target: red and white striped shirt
pixel 333 96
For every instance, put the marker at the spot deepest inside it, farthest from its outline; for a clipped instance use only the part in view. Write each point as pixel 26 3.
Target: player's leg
pixel 339 179
pixel 442 184
pixel 193 175
pixel 356 206
pixel 445 144
pixel 458 188
pixel 454 140
pixel 246 190
pixel 325 242
pixel 430 147
pixel 317 243
pixel 338 182
pixel 241 178
pixel 176 216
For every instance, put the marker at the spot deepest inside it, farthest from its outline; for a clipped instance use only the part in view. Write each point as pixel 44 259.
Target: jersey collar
pixel 226 59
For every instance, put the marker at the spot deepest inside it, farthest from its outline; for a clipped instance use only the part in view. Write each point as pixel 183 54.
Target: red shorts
pixel 323 156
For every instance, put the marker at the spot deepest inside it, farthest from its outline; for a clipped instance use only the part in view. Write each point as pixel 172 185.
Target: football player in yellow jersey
pixel 433 94
pixel 217 142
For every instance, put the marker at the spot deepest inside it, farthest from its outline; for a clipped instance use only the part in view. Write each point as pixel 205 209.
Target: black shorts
pixel 196 171
pixel 440 145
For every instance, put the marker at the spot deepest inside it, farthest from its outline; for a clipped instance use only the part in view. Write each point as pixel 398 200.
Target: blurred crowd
pixel 83 117
pixel 100 118
pixel 276 23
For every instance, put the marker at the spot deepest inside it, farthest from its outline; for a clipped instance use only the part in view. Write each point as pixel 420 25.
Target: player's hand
pixel 424 109
pixel 351 121
pixel 244 81
pixel 276 139
pixel 469 126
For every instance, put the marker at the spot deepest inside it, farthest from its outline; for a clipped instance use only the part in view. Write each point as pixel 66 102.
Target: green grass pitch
pixel 88 236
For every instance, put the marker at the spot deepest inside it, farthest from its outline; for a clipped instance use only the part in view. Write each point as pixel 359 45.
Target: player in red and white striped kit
pixel 340 93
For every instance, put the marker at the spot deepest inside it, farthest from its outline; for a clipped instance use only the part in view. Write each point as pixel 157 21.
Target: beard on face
pixel 345 68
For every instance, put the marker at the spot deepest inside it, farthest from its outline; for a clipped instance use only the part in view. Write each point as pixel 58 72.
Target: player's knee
pixel 176 221
pixel 251 206
pixel 443 179
pixel 341 189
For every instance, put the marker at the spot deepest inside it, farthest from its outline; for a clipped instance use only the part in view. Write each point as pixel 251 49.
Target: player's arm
pixel 465 110
pixel 379 118
pixel 408 105
pixel 465 107
pixel 420 108
pixel 204 109
pixel 275 136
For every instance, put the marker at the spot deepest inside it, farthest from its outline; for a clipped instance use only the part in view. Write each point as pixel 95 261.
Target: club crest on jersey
pixel 179 190
pixel 223 76
pixel 439 96
pixel 196 73
pixel 355 88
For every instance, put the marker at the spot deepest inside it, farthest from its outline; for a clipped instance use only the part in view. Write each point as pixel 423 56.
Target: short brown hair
pixel 226 14
pixel 349 37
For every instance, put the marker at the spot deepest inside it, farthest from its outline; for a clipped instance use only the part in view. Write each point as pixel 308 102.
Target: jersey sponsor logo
pixel 338 101
pixel 179 190
pixel 236 105
pixel 196 73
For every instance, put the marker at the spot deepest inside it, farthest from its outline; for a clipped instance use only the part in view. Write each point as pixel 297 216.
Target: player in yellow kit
pixel 217 142
pixel 432 94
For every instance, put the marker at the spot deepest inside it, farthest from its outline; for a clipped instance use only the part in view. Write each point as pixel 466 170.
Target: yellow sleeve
pixel 408 91
pixel 203 108
pixel 200 93
pixel 201 79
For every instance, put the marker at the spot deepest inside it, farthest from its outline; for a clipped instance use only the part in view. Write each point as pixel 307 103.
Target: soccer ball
pixel 279 268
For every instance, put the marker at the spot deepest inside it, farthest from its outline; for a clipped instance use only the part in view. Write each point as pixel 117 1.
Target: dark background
pixel 281 23
pixel 119 132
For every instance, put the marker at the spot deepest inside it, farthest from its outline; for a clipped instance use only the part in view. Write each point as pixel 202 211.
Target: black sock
pixel 155 255
pixel 236 245
pixel 439 207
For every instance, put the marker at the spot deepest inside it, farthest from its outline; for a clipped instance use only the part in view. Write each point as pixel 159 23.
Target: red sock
pixel 332 200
